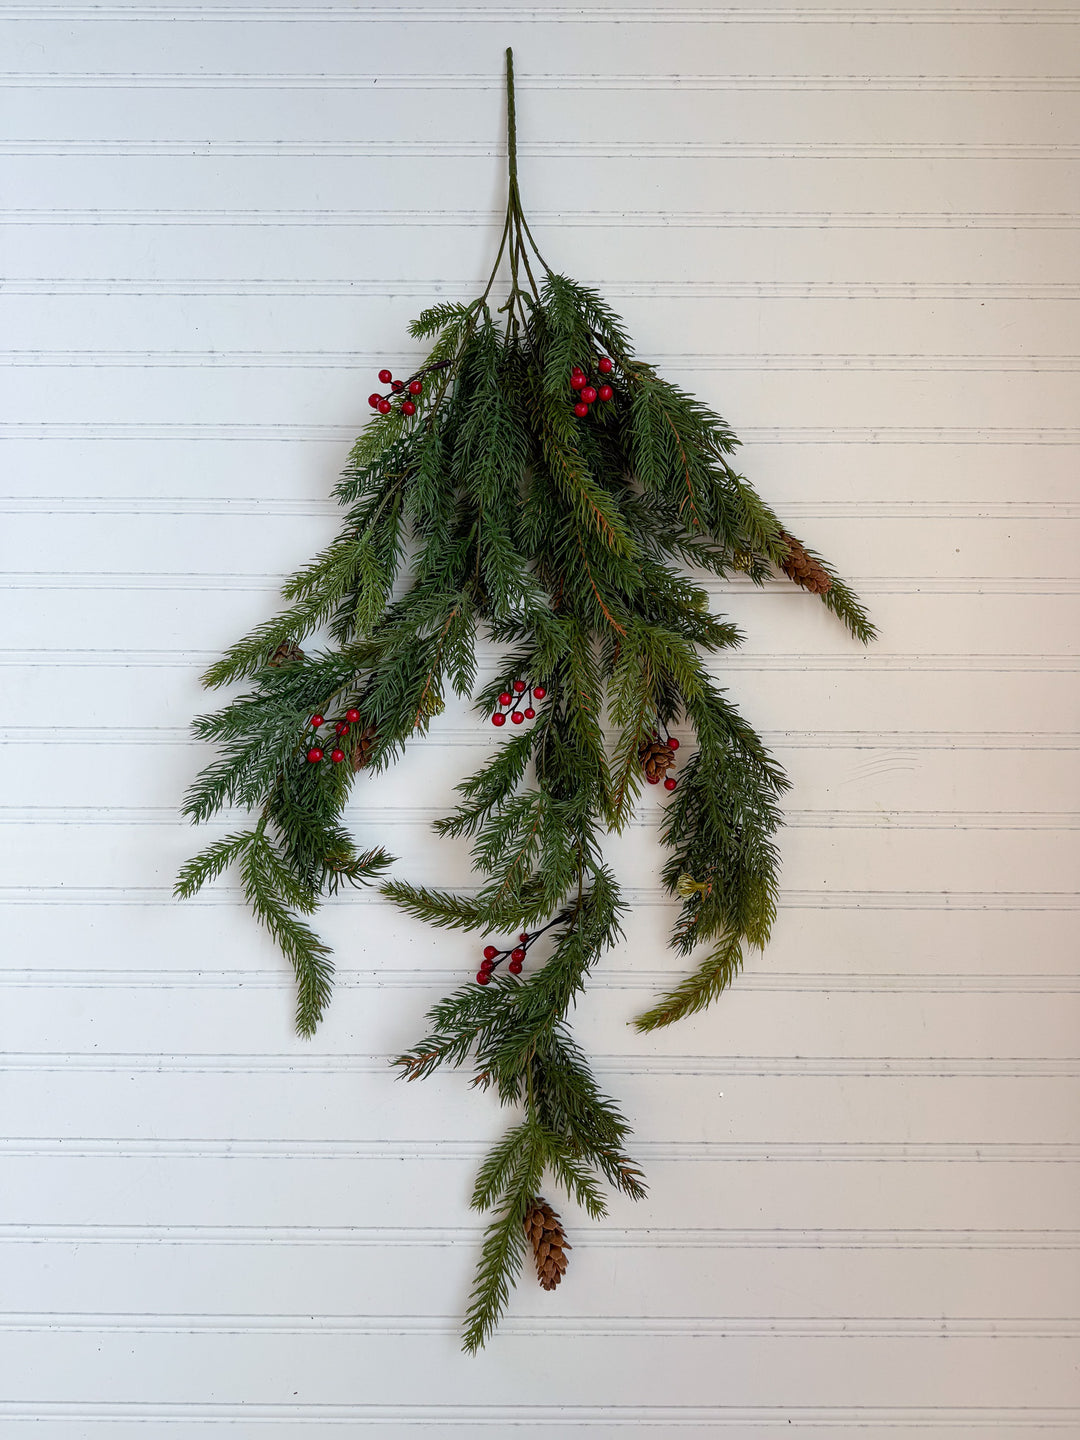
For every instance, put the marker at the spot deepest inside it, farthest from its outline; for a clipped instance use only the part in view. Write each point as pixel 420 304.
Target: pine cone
pixel 802 568
pixel 287 653
pixel 548 1240
pixel 656 757
pixel 362 749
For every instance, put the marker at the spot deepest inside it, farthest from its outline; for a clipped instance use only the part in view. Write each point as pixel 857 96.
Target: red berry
pixel 408 408
pixel 487 965
pixel 337 756
pixel 483 978
pixel 384 407
pixel 529 712
pixel 385 376
pixel 514 967
pixel 341 728
pixel 398 386
pixel 588 394
pixel 373 401
pixel 415 387
pixel 517 955
pixel 581 410
pixel 316 721
pixel 604 365
pixel 670 783
pixel 352 716
pixel 490 952
pixel 673 744
pixel 653 779
pixel 539 691
pixel 520 686
pixel 314 755
pixel 517 717
pixel 605 392
pixel 505 698
pixel 524 935
pixel 578 380
pixel 498 718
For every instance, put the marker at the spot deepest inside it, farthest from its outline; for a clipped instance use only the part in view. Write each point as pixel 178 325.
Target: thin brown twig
pixel 599 598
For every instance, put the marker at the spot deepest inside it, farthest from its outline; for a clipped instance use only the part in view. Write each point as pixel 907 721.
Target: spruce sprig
pixel 577 546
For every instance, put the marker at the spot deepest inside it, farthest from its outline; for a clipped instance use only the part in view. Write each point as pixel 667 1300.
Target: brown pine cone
pixel 287 653
pixel 548 1240
pixel 362 749
pixel 802 568
pixel 655 757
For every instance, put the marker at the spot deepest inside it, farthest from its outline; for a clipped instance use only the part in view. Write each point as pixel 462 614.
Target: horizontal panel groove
pixel 861 1418
pixel 645 15
pixel 597 1237
pixel 287 434
pixel 917 900
pixel 611 149
pixel 1019 821
pixel 350 360
pixel 210 506
pixel 756 1067
pixel 214 582
pixel 609 979
pixel 470 737
pixel 564 83
pixel 443 289
pixel 615 220
pixel 192 659
pixel 870 1327
pixel 689 1152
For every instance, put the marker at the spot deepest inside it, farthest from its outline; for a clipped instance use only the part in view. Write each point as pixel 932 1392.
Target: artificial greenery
pixel 494 510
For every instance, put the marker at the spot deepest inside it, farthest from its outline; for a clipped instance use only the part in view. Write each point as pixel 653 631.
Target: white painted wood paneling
pixel 854 232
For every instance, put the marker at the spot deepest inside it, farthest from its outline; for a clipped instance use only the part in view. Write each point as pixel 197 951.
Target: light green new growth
pixel 577 546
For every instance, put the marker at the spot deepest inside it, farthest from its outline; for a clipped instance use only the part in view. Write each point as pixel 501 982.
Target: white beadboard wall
pixel 853 230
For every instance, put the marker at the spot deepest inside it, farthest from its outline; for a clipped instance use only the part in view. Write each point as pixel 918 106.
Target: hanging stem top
pixel 517 239
pixel 511 120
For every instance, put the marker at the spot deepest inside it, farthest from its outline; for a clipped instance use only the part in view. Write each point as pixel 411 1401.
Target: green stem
pixel 515 228
pixel 511 121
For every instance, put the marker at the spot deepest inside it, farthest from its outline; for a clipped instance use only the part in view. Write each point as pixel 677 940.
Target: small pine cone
pixel 548 1240
pixel 802 568
pixel 655 757
pixel 361 751
pixel 287 653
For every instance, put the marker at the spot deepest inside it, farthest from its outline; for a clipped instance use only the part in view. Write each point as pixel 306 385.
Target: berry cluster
pixel 509 701
pixel 493 956
pixel 588 393
pixel 382 403
pixel 341 729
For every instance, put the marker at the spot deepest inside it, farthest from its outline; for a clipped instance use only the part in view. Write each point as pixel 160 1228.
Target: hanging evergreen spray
pixel 534 482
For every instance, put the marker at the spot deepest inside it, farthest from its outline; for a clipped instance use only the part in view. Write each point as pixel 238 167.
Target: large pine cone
pixel 802 568
pixel 287 653
pixel 655 757
pixel 362 749
pixel 548 1240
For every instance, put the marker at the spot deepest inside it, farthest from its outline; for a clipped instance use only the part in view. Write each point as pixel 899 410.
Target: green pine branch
pixel 696 991
pixel 270 890
pixel 504 1248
